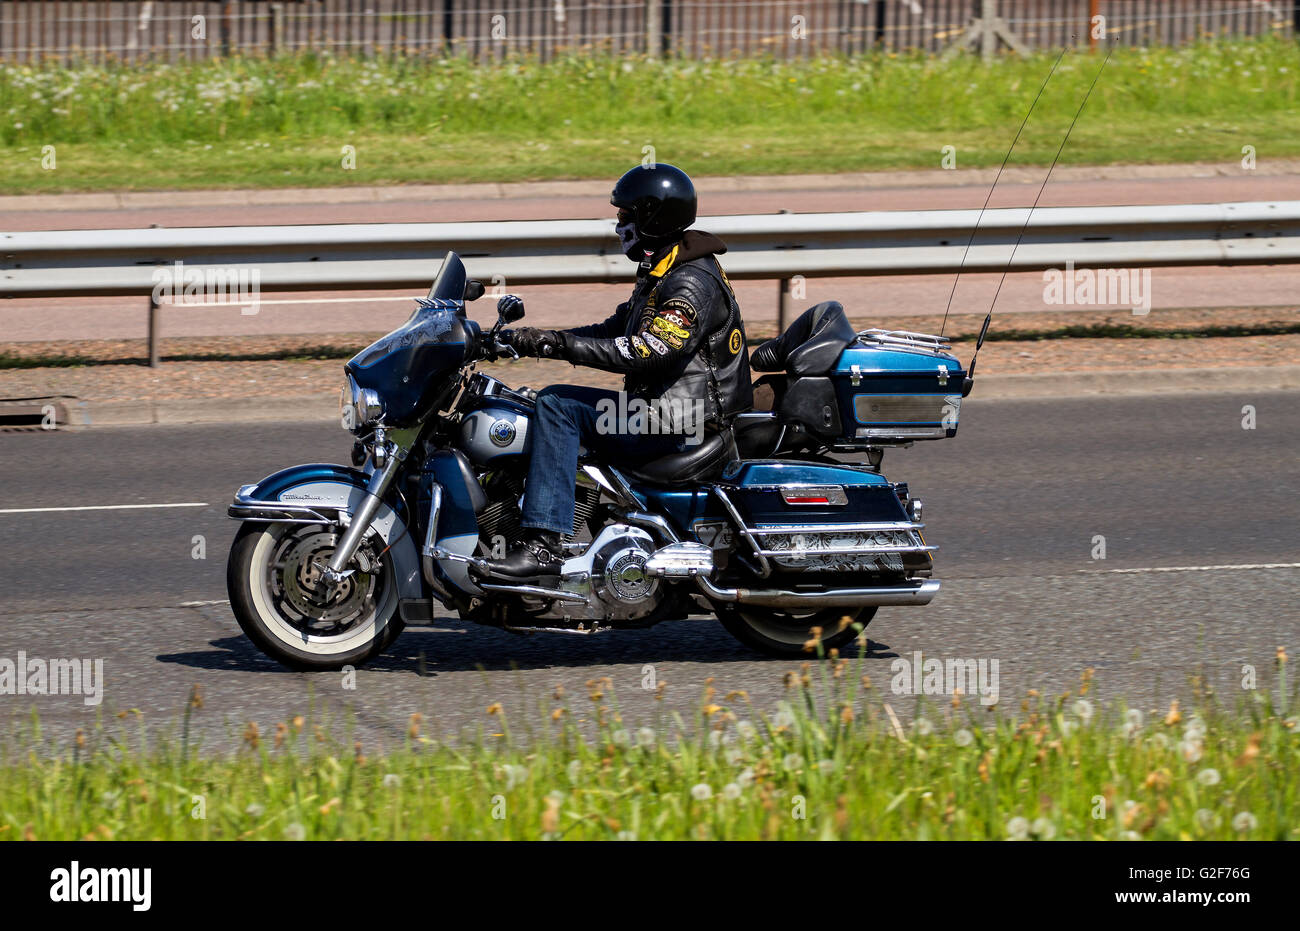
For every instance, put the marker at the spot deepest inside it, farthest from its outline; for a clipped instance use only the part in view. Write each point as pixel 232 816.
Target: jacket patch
pixel 663 328
pixel 734 341
pixel 671 339
pixel 675 318
pixel 640 348
pixel 684 308
pixel 656 345
pixel 620 343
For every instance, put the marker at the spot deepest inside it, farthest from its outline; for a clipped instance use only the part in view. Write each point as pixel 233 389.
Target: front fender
pixel 321 493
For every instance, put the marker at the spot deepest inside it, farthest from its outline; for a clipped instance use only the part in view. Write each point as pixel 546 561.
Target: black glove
pixel 529 341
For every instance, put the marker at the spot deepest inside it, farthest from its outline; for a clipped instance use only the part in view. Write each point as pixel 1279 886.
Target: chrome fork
pixel 393 454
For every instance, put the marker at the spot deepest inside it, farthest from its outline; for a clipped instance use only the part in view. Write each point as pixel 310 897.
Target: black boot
pixel 540 553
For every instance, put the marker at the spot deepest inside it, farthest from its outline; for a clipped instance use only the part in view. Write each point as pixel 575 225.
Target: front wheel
pixel 273 577
pixel 783 633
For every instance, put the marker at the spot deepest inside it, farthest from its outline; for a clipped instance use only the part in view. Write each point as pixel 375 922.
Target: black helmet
pixel 660 198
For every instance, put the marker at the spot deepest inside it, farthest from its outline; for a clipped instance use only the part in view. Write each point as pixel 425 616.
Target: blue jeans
pixel 567 418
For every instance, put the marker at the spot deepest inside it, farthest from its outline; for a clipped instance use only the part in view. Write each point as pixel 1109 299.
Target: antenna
pixel 970 370
pixel 996 178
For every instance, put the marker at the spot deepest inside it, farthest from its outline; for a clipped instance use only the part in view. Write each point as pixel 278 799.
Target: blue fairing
pixel 407 365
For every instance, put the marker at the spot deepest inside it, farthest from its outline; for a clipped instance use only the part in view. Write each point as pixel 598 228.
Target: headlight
pixel 358 407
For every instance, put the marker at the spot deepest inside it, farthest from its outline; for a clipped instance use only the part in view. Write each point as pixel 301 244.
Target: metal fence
pixel 764 247
pixel 171 30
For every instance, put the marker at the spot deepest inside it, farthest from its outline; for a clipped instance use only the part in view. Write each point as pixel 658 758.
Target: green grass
pixel 266 123
pixel 832 761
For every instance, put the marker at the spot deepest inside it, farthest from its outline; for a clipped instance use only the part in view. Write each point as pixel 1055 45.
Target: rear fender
pixel 327 493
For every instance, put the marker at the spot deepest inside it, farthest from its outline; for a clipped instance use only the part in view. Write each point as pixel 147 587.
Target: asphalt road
pixel 1014 502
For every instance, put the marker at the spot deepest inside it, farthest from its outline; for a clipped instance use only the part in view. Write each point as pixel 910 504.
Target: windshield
pixel 450 283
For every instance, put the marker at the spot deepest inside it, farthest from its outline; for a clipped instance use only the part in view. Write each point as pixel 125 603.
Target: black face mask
pixel 630 240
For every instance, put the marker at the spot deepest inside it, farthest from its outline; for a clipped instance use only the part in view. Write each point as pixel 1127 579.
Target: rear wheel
pixel 273 577
pixel 780 632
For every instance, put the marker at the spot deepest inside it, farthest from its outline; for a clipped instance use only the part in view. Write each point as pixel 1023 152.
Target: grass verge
pixel 832 761
pixel 254 122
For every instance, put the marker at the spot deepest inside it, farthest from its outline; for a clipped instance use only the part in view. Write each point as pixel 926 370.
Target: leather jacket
pixel 679 337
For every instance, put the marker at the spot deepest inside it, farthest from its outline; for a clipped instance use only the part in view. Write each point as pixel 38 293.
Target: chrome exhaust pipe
pixel 920 593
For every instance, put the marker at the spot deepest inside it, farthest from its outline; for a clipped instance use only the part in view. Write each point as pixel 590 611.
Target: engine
pixel 611 574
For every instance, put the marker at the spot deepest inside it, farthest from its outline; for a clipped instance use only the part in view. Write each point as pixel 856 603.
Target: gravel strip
pixel 320 377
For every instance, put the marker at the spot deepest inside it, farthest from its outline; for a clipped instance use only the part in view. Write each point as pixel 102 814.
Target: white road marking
pixel 203 604
pixel 1258 565
pixel 105 507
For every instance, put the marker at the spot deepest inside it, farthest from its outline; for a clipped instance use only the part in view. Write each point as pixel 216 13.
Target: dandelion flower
pixel 1083 710
pixel 1244 822
pixel 701 792
pixel 1018 829
pixel 392 780
pixel 1205 819
pixel 923 727
pixel 731 791
pixel 1208 777
pixel 745 777
pixel 294 831
pixel 792 761
pixel 1191 750
pixel 573 770
pixel 645 737
pixel 1043 829
pixel 255 810
pixel 963 738
pixel 621 737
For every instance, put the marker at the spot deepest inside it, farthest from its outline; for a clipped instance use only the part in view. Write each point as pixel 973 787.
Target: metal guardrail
pixel 769 246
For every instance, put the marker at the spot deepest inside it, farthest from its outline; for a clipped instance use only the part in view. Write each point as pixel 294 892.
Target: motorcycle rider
pixel 678 340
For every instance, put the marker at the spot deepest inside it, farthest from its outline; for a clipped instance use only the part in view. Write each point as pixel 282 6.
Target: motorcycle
pixel 767 524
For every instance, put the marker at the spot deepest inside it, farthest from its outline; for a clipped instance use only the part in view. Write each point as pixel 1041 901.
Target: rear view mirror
pixel 473 290
pixel 514 310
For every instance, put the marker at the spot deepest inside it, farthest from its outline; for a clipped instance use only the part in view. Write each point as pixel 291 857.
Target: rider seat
pixel 704 460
